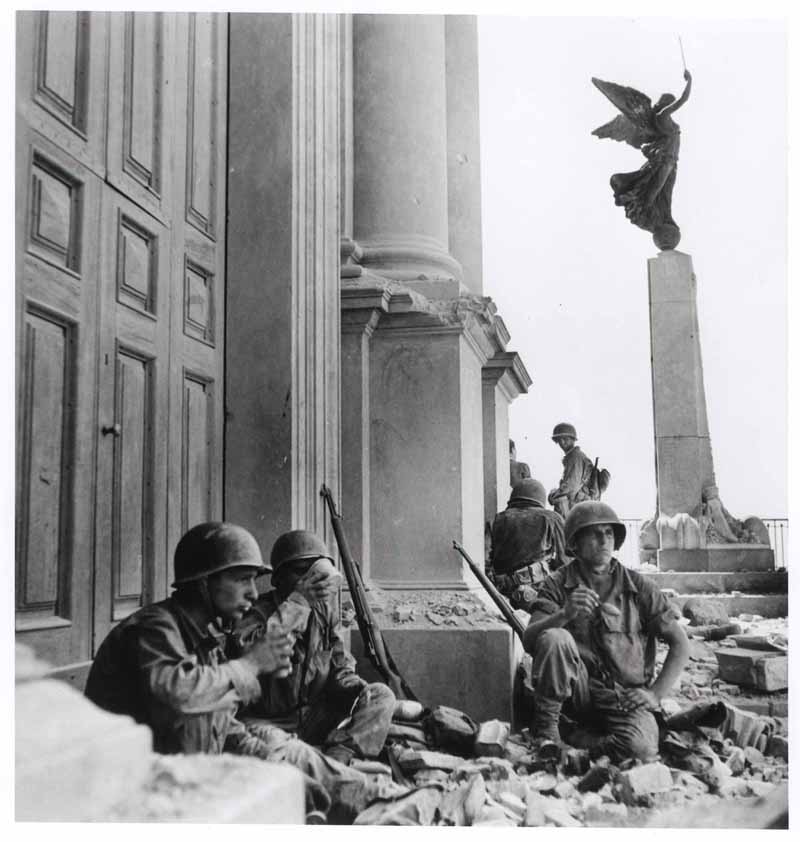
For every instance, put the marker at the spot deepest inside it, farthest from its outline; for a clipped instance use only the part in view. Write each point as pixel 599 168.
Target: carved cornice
pixel 507 370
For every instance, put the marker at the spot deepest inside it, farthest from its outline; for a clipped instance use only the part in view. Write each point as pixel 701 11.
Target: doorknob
pixel 114 429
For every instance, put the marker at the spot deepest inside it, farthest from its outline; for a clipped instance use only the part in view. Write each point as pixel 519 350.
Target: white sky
pixel 569 272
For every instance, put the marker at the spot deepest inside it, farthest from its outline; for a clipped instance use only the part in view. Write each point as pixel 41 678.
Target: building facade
pixel 248 257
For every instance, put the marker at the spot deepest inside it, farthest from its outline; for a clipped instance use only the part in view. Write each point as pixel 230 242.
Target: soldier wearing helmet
pixel 527 544
pixel 323 688
pixel 592 638
pixel 576 484
pixel 167 665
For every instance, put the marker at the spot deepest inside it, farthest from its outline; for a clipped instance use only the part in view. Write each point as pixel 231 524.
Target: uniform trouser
pixel 559 674
pixel 367 717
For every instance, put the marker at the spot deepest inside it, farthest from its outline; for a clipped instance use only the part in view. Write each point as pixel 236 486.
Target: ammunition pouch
pixel 520 586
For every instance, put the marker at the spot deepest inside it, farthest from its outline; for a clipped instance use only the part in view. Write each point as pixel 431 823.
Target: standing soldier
pixel 577 480
pixel 592 636
pixel 517 470
pixel 323 688
pixel 527 544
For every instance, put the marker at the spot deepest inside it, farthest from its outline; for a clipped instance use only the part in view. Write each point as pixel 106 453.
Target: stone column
pixel 464 148
pixel 684 465
pixel 400 200
pixel 504 379
pixel 282 309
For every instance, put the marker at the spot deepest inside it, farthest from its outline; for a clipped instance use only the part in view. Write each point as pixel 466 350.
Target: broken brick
pixel 764 670
pixel 491 738
pixel 641 781
pixel 778 746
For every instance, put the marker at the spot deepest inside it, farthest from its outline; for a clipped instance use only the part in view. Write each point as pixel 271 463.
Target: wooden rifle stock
pixel 499 600
pixel 370 633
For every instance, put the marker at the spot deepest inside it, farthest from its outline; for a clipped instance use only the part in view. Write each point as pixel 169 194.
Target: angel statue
pixel 646 194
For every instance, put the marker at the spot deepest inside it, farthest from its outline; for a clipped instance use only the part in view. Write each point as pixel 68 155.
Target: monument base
pixel 721 559
pixel 469 669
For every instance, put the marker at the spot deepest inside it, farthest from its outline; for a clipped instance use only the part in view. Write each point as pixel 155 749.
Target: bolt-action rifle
pixel 499 600
pixel 370 632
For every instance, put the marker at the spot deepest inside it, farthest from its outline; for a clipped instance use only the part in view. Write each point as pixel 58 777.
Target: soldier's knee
pixel 638 738
pixel 378 693
pixel 551 640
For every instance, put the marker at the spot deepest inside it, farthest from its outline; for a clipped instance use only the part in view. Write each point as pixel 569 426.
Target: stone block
pixel 641 781
pixel 223 789
pixel 779 707
pixel 763 670
pixel 778 746
pixel 718 559
pixel 73 760
pixel 432 662
pixel 491 738
pixel 411 760
pixel 696 582
pixel 705 612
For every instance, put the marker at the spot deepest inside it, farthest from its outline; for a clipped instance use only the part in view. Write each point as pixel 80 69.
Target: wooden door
pixel 120 261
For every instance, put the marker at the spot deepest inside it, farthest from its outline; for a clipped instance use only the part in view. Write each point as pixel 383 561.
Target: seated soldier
pixel 527 544
pixel 323 688
pixel 592 637
pixel 165 666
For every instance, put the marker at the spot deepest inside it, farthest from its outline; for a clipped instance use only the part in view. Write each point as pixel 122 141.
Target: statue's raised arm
pixel 646 194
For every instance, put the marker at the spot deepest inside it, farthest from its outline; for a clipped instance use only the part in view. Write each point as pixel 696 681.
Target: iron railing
pixel 778 528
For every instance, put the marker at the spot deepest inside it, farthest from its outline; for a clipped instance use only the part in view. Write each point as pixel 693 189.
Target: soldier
pixel 166 666
pixel 592 636
pixel 527 544
pixel 576 482
pixel 323 688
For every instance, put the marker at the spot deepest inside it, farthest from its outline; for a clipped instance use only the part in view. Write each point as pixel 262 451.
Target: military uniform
pixel 527 544
pixel 589 661
pixel 575 485
pixel 323 688
pixel 166 666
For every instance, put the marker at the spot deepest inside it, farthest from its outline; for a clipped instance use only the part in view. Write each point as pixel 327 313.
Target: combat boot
pixel 546 713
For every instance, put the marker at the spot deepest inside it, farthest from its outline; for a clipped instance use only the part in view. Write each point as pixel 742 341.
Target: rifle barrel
pixel 499 600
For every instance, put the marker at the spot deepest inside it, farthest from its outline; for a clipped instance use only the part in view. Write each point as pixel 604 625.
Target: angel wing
pixel 636 124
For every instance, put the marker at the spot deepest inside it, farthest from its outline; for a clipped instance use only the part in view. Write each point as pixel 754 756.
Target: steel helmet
pixel 564 429
pixel 213 547
pixel 529 489
pixel 593 513
pixel 297 545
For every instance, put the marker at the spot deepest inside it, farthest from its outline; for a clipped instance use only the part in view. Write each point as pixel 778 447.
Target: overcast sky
pixel 569 272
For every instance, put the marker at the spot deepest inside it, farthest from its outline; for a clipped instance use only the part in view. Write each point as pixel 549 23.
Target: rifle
pixel 499 600
pixel 370 632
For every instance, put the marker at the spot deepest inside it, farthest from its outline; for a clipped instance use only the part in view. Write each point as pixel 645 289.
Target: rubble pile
pixel 724 745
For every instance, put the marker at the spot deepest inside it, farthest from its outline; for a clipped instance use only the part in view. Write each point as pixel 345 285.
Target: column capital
pixel 506 370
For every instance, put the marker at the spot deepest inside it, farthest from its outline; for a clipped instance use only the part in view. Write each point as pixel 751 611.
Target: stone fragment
pixel 462 609
pixel 514 804
pixel 516 753
pixel 492 815
pixel 534 814
pixel 591 799
pixel 705 612
pixel 491 739
pixel 555 811
pixel 430 776
pixel 692 785
pixel 565 789
pixel 759 788
pixel 641 781
pixel 576 761
pixel 759 642
pixel 779 707
pixel 670 706
pixel 474 798
pixel 403 614
pixel 411 760
pixel 778 746
pixel 434 618
pixel 416 808
pixel 606 815
pixel 753 757
pixel 736 761
pixel 728 689
pixel 543 782
pixel 763 670
pixel 594 779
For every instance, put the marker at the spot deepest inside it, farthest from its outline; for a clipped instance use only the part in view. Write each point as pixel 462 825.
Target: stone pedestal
pixel 684 465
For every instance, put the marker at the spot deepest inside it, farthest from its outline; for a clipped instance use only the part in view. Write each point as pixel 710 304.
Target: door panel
pixel 120 260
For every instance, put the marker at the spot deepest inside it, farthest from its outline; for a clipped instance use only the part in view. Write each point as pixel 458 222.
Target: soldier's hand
pixel 320 582
pixel 639 697
pixel 271 654
pixel 582 602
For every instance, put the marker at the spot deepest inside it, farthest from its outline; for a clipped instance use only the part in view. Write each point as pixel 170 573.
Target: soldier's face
pixel 566 443
pixel 594 546
pixel 233 592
